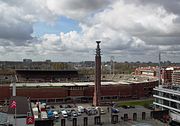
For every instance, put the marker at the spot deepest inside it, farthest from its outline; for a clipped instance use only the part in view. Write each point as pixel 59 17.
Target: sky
pixel 67 30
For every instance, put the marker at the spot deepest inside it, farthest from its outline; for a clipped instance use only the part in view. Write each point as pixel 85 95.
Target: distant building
pixel 29 64
pixel 146 71
pixel 166 73
pixel 27 60
pixel 176 77
pixel 36 76
pixel 48 61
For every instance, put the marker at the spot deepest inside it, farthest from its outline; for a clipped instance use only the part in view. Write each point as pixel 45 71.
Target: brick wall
pixel 4 92
pixel 42 92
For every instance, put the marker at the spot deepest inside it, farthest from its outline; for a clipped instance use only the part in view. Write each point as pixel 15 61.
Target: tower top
pixel 98 42
pixel 98 50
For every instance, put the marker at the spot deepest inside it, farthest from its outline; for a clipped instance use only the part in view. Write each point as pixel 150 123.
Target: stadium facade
pixel 67 86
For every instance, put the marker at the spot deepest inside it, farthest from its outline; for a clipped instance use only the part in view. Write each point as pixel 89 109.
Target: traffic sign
pixel 29 120
pixel 13 104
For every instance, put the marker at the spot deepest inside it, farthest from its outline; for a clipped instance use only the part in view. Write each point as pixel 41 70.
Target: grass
pixel 144 103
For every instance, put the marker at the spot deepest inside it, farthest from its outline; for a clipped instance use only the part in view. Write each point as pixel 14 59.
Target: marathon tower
pixel 97 86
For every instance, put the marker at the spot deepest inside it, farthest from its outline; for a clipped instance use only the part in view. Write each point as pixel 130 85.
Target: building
pixel 29 64
pixel 168 98
pixel 43 75
pixel 166 73
pixel 176 77
pixel 126 87
pixel 146 71
pixel 67 86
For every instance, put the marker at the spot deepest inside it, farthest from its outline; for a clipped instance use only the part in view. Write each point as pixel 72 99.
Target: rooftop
pixel 59 84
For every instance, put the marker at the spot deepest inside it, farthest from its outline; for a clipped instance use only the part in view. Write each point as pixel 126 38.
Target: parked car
pixel 80 109
pixel 101 110
pixel 69 106
pixel 127 106
pixel 52 107
pixel 47 107
pixel 35 112
pixel 79 113
pixel 91 111
pixel 68 112
pixel 74 114
pixel 44 115
pixel 56 115
pixel 114 110
pixel 64 114
pixel 50 114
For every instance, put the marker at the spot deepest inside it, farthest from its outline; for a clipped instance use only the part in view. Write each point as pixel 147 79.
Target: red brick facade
pixel 119 91
pixel 4 92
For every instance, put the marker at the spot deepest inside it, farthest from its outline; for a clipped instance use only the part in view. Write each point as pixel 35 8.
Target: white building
pixel 168 98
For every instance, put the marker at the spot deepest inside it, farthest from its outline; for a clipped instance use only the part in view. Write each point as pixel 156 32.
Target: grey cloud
pixel 86 4
pixel 77 9
pixel 170 5
pixel 118 44
pixel 173 41
pixel 16 32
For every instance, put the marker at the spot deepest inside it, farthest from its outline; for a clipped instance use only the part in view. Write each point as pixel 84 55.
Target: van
pixel 35 112
pixel 44 115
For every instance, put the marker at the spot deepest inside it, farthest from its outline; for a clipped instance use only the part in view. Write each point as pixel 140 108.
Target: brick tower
pixel 97 86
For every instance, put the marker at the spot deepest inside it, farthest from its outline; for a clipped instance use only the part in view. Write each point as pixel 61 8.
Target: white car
pixel 101 110
pixel 64 114
pixel 80 109
pixel 56 115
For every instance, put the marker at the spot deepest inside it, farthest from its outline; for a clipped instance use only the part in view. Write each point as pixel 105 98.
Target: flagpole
pixel 15 116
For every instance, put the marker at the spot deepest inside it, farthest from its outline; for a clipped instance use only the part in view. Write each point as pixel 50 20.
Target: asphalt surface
pixel 106 118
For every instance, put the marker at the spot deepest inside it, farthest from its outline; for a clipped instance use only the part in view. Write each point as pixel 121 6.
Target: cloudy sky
pixel 66 30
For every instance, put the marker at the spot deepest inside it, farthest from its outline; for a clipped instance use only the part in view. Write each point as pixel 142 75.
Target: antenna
pixel 112 65
pixel 159 68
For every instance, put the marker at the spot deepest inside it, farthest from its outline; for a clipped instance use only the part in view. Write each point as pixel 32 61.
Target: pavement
pixel 106 118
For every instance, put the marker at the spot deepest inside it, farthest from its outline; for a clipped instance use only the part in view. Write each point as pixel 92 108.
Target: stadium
pixel 63 86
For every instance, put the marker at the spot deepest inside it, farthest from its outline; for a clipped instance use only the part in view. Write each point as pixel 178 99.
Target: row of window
pixel 167 95
pixel 167 103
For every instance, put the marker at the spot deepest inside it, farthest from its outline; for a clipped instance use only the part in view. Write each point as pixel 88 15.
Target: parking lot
pixel 127 116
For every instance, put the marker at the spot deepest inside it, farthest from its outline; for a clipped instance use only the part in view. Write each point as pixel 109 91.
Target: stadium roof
pixel 71 84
